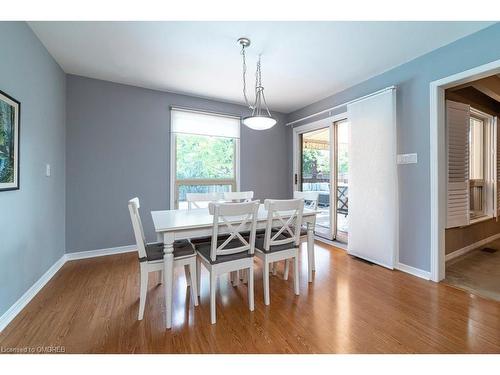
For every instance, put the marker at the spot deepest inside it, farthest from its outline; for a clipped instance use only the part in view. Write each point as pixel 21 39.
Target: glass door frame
pixel 329 123
pixel 339 235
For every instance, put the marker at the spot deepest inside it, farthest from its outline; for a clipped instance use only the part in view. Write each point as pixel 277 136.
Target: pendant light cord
pixel 258 86
pixel 259 90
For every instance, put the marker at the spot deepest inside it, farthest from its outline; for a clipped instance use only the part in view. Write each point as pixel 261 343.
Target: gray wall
pixel 32 223
pixel 118 147
pixel 413 80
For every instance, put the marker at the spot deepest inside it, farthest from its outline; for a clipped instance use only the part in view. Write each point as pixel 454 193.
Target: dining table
pixel 172 225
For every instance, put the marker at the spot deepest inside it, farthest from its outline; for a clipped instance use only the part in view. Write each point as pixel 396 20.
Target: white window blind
pixel 373 182
pixel 202 123
pixel 457 138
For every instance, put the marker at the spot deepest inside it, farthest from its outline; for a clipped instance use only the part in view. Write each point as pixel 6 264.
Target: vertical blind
pixel 373 182
pixel 203 123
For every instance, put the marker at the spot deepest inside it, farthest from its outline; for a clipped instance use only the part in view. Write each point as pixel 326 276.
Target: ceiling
pixel 302 62
pixel 489 86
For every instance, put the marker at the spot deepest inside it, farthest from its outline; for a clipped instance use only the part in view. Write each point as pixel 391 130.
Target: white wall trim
pixel 438 159
pixel 413 271
pixel 475 245
pixel 19 305
pixel 100 252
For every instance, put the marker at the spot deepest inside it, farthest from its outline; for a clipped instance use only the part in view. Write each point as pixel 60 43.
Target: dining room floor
pixel 90 306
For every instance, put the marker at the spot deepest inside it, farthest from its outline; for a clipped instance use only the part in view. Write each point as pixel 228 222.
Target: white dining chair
pixel 235 197
pixel 196 200
pixel 233 253
pixel 151 258
pixel 238 196
pixel 280 242
pixel 311 199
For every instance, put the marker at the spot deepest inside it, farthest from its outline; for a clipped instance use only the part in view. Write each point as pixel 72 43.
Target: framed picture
pixel 10 115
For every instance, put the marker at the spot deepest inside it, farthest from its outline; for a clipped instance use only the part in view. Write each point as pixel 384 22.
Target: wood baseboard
pixel 475 245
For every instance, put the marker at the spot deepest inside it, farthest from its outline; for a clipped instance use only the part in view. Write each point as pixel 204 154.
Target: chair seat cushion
pixel 154 250
pixel 200 240
pixel 246 234
pixel 303 231
pixel 259 244
pixel 203 250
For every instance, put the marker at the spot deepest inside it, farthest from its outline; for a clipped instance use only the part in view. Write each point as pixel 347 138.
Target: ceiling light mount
pixel 244 42
pixel 261 118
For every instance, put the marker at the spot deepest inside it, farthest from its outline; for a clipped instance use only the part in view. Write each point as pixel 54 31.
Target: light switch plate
pixel 407 158
pixel 47 170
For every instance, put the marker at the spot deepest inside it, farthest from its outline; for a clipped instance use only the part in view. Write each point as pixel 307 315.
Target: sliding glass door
pixel 322 166
pixel 315 174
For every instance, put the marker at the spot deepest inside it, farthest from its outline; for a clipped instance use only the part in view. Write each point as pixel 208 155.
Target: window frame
pixel 489 173
pixel 174 182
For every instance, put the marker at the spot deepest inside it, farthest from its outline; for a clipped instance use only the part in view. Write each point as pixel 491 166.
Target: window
pixel 481 164
pixel 205 154
pixel 473 165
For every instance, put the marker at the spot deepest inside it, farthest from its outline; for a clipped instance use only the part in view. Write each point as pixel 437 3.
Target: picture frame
pixel 10 120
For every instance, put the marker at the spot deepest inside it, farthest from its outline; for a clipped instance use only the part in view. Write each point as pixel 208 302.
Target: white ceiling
pixel 302 62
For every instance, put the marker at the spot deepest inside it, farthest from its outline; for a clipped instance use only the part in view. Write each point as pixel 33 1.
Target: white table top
pixel 172 220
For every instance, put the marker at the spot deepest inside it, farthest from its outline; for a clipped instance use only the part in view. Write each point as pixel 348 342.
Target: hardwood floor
pixel 90 306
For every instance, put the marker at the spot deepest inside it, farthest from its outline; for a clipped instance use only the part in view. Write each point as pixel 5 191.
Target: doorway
pixel 472 231
pixel 438 159
pixel 321 165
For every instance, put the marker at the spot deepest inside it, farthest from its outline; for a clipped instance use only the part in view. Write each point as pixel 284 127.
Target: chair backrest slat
pixel 140 239
pixel 238 196
pixel 193 199
pixel 236 218
pixel 288 214
pixel 311 198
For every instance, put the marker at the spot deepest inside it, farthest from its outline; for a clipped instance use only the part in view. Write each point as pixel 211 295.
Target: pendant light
pixel 261 118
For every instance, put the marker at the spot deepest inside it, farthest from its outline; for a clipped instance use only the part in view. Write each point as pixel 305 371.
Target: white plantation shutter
pixel 457 139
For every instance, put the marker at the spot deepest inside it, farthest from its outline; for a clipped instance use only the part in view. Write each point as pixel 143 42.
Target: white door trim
pixel 438 159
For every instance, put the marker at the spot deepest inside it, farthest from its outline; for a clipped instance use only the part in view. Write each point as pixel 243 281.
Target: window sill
pixel 480 219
